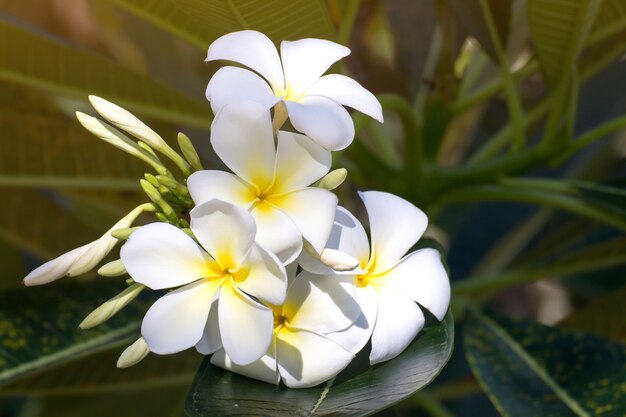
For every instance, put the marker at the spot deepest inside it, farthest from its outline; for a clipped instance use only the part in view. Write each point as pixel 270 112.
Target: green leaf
pixel 35 60
pixel 532 370
pixel 44 147
pixel 602 256
pixel 607 40
pixel 605 316
pixel 558 29
pixel 470 15
pixel 201 21
pixel 359 390
pixel 40 325
pixel 98 373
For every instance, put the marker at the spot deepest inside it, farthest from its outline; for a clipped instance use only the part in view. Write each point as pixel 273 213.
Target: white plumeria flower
pixel 300 354
pixel 82 259
pixel 271 182
pixel 227 266
pixel 314 103
pixel 388 282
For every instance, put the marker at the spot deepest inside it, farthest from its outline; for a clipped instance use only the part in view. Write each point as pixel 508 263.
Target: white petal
pixel 323 120
pixel 321 304
pixel 55 268
pixel 306 359
pixel 422 277
pixel 211 339
pixel 160 255
pixel 344 90
pixel 277 233
pixel 299 162
pixel 313 211
pixel 355 337
pixel 226 231
pixel 232 85
pixel 208 185
pixel 252 49
pixel 264 369
pixel 398 321
pixel 176 321
pixel 245 325
pixel 263 276
pixel 242 137
pixel 347 236
pixel 305 60
pixel 395 226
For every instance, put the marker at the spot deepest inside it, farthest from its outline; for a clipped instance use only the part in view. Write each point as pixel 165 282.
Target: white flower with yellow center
pixel 388 283
pixel 300 354
pixel 314 103
pixel 227 266
pixel 272 182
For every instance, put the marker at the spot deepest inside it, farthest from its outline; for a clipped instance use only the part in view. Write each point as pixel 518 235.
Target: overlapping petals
pixel 314 103
pixel 388 282
pixel 272 182
pixel 300 354
pixel 227 267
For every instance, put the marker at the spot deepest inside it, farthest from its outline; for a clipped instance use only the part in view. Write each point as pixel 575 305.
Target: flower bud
pixel 333 179
pixel 133 354
pixel 189 152
pixel 111 307
pixel 101 247
pixel 113 268
pixel 54 269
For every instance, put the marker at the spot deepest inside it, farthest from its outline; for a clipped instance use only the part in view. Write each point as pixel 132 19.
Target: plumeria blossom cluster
pixel 259 266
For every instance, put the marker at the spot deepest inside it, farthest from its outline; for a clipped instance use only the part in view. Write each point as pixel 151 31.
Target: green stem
pixel 512 97
pixel 593 135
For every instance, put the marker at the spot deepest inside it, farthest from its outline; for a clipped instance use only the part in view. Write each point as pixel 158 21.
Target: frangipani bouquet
pixel 262 267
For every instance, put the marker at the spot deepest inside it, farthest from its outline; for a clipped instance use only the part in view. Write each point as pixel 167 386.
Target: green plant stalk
pixel 431 405
pixel 593 135
pixel 413 146
pixel 514 102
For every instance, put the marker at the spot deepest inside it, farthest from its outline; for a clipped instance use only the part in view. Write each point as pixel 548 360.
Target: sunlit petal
pixel 395 226
pixel 245 325
pixel 263 276
pixel 277 233
pixel 323 120
pixel 177 320
pixel 208 185
pixel 398 321
pixel 305 60
pixel 306 359
pixel 232 85
pixel 299 162
pixel 160 255
pixel 344 90
pixel 313 211
pixel 226 231
pixel 242 137
pixel 321 303
pixel 422 277
pixel 252 49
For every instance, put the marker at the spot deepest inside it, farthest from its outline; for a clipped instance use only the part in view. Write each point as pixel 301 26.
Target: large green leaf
pixel 558 29
pixel 532 370
pixel 605 316
pixel 359 390
pixel 202 21
pixel 40 325
pixel 33 59
pixel 98 374
pixel 41 146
